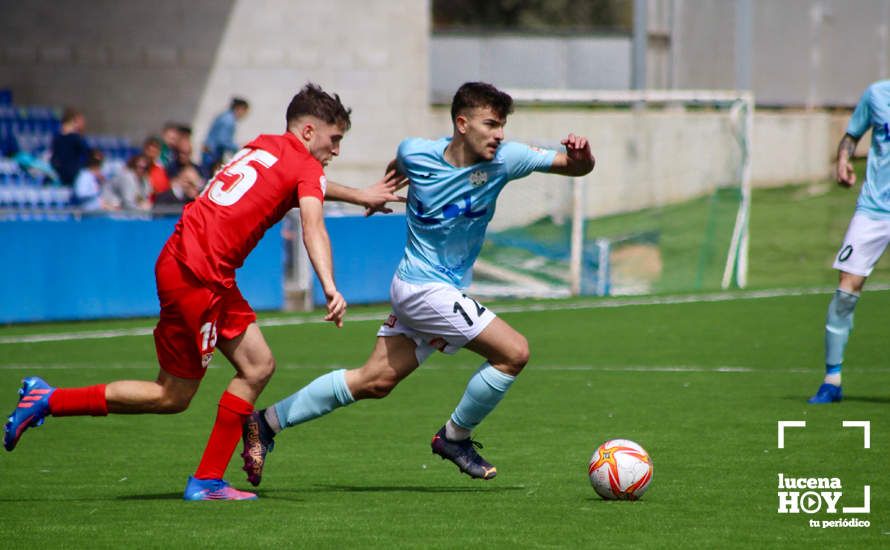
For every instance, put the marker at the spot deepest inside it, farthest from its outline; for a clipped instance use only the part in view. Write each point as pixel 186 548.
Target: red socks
pixel 79 401
pixel 230 418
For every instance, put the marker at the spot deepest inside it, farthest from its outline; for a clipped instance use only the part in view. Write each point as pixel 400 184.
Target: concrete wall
pixel 129 66
pixel 803 52
pixel 810 53
pixel 133 65
pixel 517 61
pixel 376 60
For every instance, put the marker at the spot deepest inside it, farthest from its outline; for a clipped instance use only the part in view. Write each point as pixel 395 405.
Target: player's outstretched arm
pixel 374 197
pixel 318 245
pixel 577 160
pixel 846 175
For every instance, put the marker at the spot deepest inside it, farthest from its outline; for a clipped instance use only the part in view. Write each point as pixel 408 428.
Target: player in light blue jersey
pixel 869 231
pixel 454 185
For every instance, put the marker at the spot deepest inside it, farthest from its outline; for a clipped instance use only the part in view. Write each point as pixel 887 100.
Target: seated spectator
pixel 69 148
pixel 182 156
pixel 88 184
pixel 129 189
pixel 151 148
pixel 220 141
pixel 183 189
pixel 169 142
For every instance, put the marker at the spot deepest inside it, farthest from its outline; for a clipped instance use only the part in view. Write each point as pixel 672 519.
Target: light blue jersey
pixel 873 111
pixel 449 208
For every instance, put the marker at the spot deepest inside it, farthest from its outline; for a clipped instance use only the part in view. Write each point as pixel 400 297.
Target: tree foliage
pixel 533 15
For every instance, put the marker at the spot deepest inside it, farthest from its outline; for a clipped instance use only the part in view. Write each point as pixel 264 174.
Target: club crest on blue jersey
pixel 478 177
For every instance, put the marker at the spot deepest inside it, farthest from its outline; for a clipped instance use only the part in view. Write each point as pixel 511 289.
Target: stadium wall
pixel 366 254
pixel 130 66
pixel 104 267
pixel 812 53
pixel 133 65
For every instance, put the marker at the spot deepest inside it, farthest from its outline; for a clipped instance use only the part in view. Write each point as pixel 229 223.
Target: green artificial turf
pixel 700 385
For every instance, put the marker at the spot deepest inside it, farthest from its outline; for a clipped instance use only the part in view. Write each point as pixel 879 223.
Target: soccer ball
pixel 620 470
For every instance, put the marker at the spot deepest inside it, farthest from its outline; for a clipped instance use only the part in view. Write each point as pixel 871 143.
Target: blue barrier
pixel 100 267
pixel 366 253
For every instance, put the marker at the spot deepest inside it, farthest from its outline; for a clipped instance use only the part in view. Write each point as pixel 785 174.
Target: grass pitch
pixel 700 385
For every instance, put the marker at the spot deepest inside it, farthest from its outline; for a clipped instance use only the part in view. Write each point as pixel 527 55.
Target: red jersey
pixel 245 198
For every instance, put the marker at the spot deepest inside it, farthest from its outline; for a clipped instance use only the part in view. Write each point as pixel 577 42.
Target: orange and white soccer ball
pixel 620 469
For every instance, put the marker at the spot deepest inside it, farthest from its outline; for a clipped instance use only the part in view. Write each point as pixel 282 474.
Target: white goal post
pixel 741 111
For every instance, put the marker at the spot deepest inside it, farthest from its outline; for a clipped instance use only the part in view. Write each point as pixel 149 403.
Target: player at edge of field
pixel 201 306
pixel 454 183
pixel 868 233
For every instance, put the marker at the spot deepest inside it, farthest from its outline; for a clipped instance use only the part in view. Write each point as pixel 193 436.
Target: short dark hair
pixel 238 102
pixel 312 100
pixel 481 94
pixel 153 141
pixel 184 129
pixel 95 158
pixel 69 114
pixel 134 161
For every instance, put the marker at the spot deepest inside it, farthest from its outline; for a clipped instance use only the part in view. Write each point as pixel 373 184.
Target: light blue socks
pixel 838 325
pixel 484 391
pixel 321 396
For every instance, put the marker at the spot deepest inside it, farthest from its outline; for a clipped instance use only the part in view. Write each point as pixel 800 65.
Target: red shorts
pixel 192 315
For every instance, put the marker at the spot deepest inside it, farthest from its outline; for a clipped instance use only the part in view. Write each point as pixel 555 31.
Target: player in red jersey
pixel 201 306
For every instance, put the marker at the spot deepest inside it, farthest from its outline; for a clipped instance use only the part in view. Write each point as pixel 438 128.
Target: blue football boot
pixel 827 393
pixel 214 489
pixel 30 412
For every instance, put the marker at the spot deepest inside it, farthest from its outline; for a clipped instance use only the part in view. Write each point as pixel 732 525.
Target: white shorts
pixel 865 241
pixel 436 316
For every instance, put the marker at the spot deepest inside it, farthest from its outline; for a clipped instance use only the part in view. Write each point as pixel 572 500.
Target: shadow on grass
pixel 410 489
pixel 294 494
pixel 883 399
pixel 157 496
pixel 867 398
pixel 153 496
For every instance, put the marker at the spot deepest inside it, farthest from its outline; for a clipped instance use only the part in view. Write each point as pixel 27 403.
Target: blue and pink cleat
pixel 30 412
pixel 214 489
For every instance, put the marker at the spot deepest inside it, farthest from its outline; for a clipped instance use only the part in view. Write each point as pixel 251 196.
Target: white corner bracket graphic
pixel 866 432
pixel 866 503
pixel 788 424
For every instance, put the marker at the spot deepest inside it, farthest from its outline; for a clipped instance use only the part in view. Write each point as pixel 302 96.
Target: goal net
pixel 665 210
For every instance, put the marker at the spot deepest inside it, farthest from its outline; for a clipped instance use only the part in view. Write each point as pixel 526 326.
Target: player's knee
pixel 379 388
pixel 518 355
pixel 171 403
pixel 260 372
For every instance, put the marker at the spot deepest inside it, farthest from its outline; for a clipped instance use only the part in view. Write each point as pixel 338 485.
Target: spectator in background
pixel 37 167
pixel 220 140
pixel 157 176
pixel 170 136
pixel 184 187
pixel 182 156
pixel 129 189
pixel 69 148
pixel 88 184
